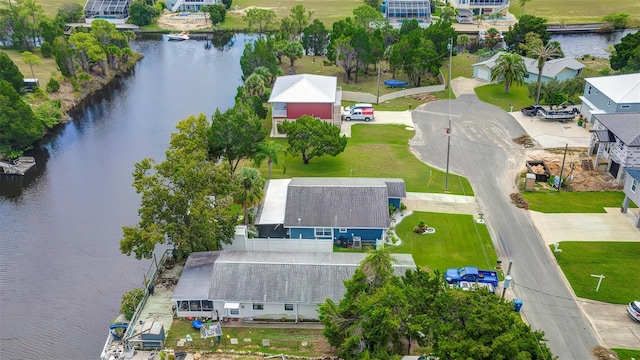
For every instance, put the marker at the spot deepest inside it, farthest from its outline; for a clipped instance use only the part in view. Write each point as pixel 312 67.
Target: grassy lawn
pixel 577 11
pixel 494 94
pixel 461 65
pixel 617 261
pixel 51 6
pixel 43 72
pixel 375 151
pixel 573 202
pixel 458 241
pixel 626 354
pixel 286 341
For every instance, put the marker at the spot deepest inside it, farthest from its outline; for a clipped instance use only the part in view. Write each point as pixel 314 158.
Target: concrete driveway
pixel 382 117
pixel 551 134
pixel 614 325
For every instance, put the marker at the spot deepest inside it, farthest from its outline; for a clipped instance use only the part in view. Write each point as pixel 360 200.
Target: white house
pixel 189 5
pixel 558 69
pixel 266 285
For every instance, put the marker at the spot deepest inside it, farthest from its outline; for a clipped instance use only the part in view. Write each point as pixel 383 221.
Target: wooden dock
pixel 19 166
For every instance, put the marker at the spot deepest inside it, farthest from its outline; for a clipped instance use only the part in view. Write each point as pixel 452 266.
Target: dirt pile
pixel 519 201
pixel 524 140
pixel 175 21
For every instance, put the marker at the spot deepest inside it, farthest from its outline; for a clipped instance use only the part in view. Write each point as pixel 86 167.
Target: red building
pixel 293 96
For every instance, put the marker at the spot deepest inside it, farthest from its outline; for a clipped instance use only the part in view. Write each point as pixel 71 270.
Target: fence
pixel 370 98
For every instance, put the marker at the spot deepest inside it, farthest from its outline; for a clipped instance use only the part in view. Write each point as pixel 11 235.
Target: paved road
pixel 481 150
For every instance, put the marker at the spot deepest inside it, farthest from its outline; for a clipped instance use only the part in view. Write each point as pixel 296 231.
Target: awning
pixel 232 306
pixel 605 136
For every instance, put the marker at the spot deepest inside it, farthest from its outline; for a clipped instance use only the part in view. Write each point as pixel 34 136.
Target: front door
pixel 613 170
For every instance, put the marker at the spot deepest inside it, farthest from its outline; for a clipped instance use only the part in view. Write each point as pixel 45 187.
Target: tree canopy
pixel 311 137
pixel 511 68
pixel 185 200
pixel 518 32
pixel 257 54
pixel 19 128
pixel 10 73
pixel 626 56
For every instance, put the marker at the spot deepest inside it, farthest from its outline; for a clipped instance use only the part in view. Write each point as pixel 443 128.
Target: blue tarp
pixel 197 324
pixel 395 83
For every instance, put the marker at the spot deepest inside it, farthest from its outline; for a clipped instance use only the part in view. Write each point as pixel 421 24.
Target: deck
pixel 19 166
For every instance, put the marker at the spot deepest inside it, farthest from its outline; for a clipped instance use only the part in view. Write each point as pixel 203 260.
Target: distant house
pixel 189 5
pixel 558 69
pixel 329 209
pixel 399 11
pixel 266 285
pixel 615 140
pixel 610 94
pixel 481 7
pixel 113 11
pixel 293 96
pixel 632 190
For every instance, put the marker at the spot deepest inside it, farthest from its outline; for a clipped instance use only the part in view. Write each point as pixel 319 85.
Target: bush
pixel 46 49
pixel 618 20
pixel 53 86
pixel 130 301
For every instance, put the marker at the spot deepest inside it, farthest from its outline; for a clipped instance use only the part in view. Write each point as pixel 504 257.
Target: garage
pixel 482 73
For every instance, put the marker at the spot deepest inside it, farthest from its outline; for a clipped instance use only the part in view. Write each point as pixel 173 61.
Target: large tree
pixel 311 137
pixel 10 73
pixel 315 38
pixel 259 19
pixel 300 18
pixel 256 54
pixel 416 55
pixel 249 189
pixel 18 126
pixel 30 59
pixel 511 67
pixel 542 53
pixel 364 14
pixel 526 24
pixel 141 13
pixel 272 152
pixel 626 56
pixel 235 134
pixel 184 199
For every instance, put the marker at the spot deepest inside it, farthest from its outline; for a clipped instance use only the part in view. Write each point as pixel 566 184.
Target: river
pixel 61 271
pixel 577 45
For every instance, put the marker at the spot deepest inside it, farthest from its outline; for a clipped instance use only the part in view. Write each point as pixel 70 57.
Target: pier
pixel 19 166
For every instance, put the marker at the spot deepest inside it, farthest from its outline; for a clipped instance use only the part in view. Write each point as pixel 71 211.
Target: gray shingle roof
pixel 551 68
pixel 625 126
pixel 337 202
pixel 287 277
pixel 395 187
pixel 195 280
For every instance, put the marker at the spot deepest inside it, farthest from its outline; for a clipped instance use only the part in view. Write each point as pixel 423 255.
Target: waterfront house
pixel 399 11
pixel 615 140
pixel 632 191
pixel 293 96
pixel 557 69
pixel 270 285
pixel 481 7
pixel 113 11
pixel 189 5
pixel 610 94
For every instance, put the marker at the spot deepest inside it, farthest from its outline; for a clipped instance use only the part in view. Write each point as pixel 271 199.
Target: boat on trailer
pixel 562 112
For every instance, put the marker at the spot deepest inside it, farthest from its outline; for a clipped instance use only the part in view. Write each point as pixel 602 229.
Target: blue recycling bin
pixel 517 304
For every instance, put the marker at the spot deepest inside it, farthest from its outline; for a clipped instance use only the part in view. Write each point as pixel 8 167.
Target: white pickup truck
pixel 366 114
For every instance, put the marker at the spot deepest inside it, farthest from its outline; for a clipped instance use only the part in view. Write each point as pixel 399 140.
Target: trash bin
pixel 517 304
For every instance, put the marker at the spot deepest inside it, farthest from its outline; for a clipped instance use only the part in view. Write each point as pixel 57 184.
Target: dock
pixel 18 166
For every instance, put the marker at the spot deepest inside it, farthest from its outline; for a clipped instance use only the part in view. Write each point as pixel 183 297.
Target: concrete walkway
pixel 442 203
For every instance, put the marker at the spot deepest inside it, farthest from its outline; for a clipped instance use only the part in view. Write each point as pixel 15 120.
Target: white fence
pixel 242 241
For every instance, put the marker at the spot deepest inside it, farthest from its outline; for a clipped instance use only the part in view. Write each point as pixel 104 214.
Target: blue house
pixel 331 209
pixel 610 95
pixel 558 69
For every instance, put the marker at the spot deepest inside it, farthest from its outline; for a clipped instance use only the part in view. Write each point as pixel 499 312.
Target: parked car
pixel 531 110
pixel 366 114
pixel 347 111
pixel 634 310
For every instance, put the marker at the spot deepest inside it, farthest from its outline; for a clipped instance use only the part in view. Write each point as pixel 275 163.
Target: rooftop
pixel 619 88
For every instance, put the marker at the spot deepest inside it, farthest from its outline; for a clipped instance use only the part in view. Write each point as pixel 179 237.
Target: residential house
pixel 114 11
pixel 610 94
pixel 399 11
pixel 481 7
pixel 632 190
pixel 256 285
pixel 189 5
pixel 328 210
pixel 558 69
pixel 293 96
pixel 615 140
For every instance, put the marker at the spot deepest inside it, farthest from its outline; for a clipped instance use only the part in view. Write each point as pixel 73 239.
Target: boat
pixel 179 36
pixel 117 347
pixel 395 83
pixel 562 112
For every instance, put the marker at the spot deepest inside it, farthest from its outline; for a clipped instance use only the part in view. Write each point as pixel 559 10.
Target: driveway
pixel 382 117
pixel 482 150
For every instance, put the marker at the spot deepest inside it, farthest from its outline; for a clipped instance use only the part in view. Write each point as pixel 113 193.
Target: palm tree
pixel 250 189
pixel 492 38
pixel 522 3
pixel 269 151
pixel 463 40
pixel 510 66
pixel 542 53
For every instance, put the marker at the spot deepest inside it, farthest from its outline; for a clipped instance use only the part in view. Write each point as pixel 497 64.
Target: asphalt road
pixel 482 151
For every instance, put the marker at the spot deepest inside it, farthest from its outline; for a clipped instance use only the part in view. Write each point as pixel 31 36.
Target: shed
pixel 152 335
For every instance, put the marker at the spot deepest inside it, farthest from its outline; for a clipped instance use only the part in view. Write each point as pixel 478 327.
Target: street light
pixel 446 176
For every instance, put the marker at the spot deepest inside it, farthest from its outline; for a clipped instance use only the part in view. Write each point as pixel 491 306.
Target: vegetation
pixel 10 73
pixel 573 202
pixel 627 354
pixel 542 53
pixel 510 67
pixel 626 55
pixel 494 94
pixel 130 301
pixel 617 261
pixel 458 241
pixel 380 311
pixel 577 11
pixel 517 33
pixel 176 197
pixel 249 190
pixel 19 128
pixel 312 137
pixel 619 20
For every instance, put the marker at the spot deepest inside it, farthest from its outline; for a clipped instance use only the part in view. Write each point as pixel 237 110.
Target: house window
pixel 323 232
pixel 234 312
pixel 589 90
pixel 609 103
pixel 288 307
pixel 207 305
pixel 526 76
pixel 257 306
pixel 195 305
pixel 343 230
pixel 625 106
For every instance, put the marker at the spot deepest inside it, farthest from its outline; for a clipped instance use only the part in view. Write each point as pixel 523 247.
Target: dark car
pixel 531 110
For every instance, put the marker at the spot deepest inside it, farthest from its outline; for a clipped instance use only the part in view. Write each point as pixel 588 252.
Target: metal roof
pixel 619 88
pixel 625 126
pixel 286 277
pixel 605 136
pixel 275 201
pixel 195 280
pixel 304 88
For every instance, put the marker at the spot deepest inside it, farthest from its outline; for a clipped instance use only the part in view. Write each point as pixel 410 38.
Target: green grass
pixel 577 11
pixel 461 65
pixel 375 151
pixel 43 72
pixel 627 354
pixel 51 6
pixel 282 340
pixel 573 202
pixel 617 261
pixel 494 94
pixel 458 241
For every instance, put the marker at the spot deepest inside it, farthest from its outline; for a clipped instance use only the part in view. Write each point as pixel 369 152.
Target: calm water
pixel 576 45
pixel 61 271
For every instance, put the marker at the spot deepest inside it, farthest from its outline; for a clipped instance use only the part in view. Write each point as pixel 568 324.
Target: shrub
pixel 53 86
pixel 618 20
pixel 130 301
pixel 46 49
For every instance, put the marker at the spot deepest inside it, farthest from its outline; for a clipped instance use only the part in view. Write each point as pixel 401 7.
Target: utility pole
pixel 562 168
pixel 378 87
pixel 446 176
pixel 507 279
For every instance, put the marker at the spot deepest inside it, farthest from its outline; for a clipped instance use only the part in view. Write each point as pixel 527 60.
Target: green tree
pixel 542 53
pixel 522 3
pixel 217 13
pixel 272 152
pixel 64 55
pixel 619 20
pixel 315 38
pixel 492 38
pixel 526 24
pixel 25 17
pixel 463 40
pixel 311 137
pixel 300 18
pixel 249 189
pixel 49 113
pixel 293 50
pixel 18 126
pixel 70 13
pixel 141 14
pixel 227 3
pixel 255 85
pixel 30 59
pixel 373 3
pixel 176 198
pixel 364 14
pixel 129 302
pixel 440 33
pixel 511 67
pixel 50 29
pixel 259 18
pixel 416 55
pixel 626 55
pixel 53 86
pixel 234 135
pixel 346 56
pixel 257 54
pixel 447 13
pixel 10 73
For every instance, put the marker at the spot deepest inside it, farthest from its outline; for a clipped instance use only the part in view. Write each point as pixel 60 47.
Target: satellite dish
pixel 304 343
